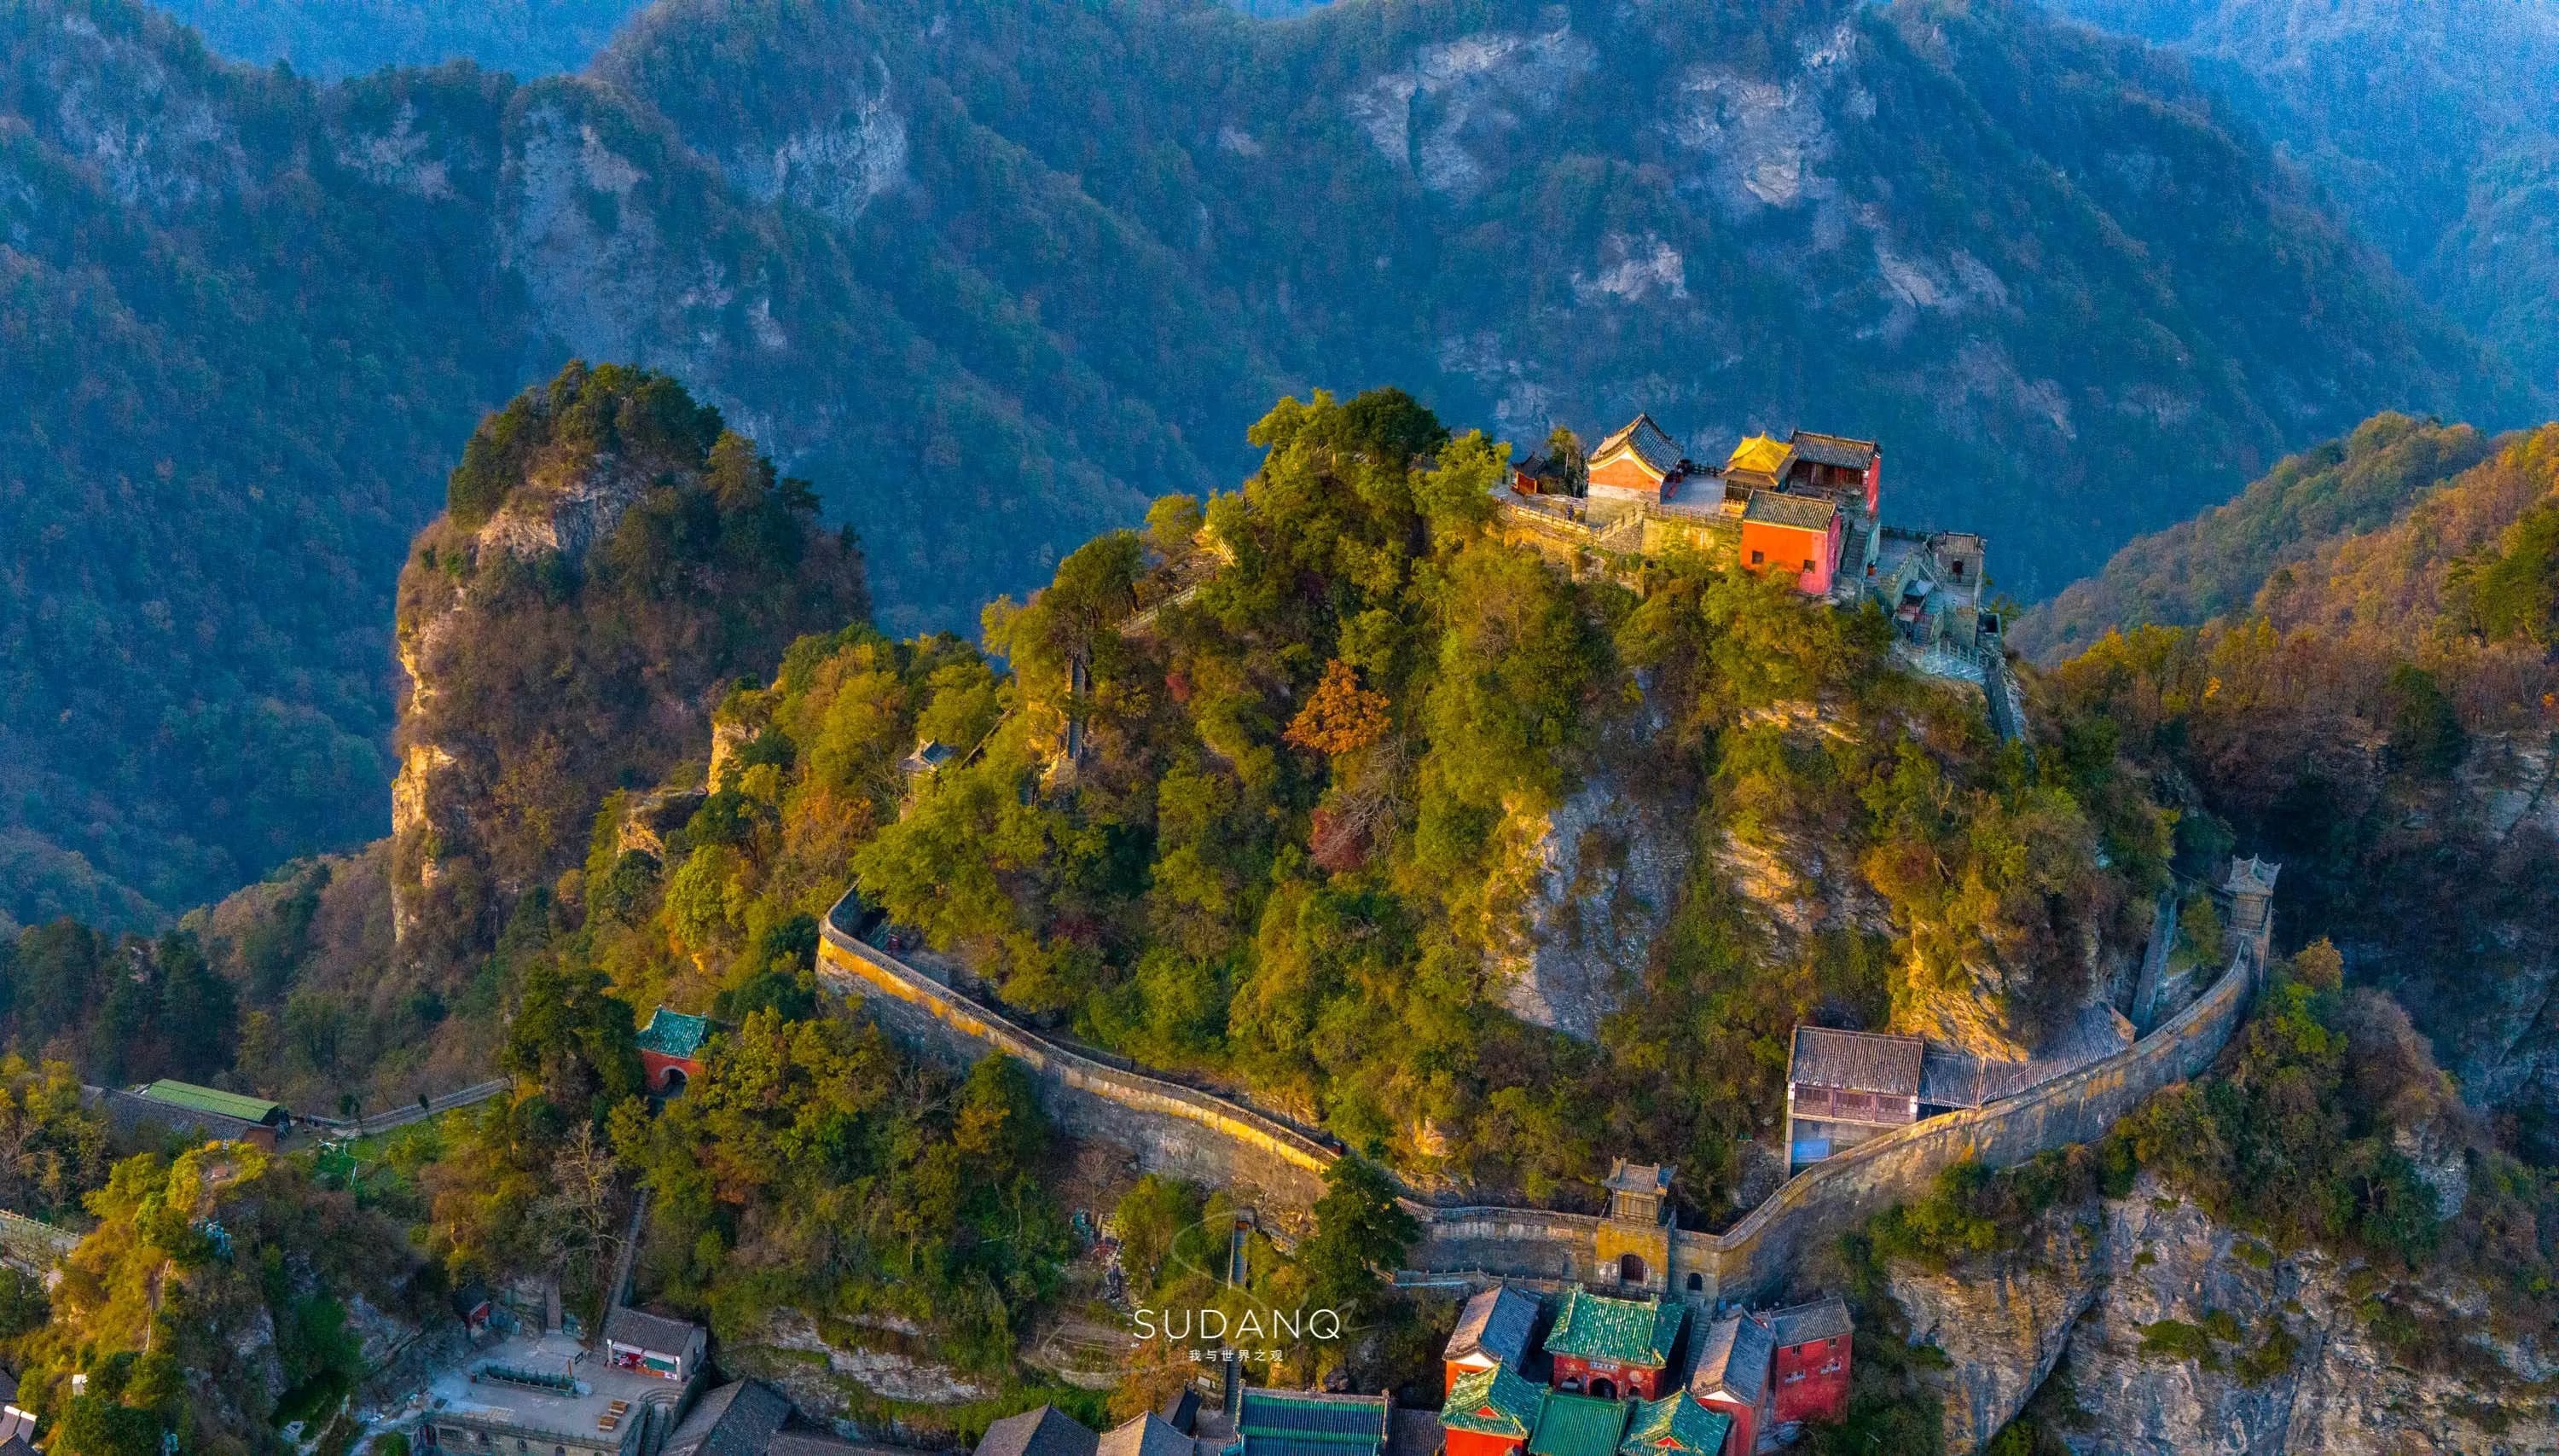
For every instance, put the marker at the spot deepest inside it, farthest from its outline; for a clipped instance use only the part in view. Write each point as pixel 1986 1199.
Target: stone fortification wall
pixel 1835 1196
pixel 1199 1135
pixel 1170 1127
pixel 1527 1245
pixel 32 1246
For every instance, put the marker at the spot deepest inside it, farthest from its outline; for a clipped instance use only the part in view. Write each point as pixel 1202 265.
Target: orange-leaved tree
pixel 1342 716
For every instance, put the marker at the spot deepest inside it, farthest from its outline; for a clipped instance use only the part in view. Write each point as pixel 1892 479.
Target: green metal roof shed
pixel 221 1103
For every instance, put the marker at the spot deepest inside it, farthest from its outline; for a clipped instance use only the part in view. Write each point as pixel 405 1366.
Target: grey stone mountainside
pixel 2079 1293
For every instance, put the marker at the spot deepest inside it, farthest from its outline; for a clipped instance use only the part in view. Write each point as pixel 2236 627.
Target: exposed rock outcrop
pixel 2185 1337
pixel 1586 888
pixel 879 1358
pixel 614 559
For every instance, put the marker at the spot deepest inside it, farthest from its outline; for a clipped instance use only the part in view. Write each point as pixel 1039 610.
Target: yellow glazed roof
pixel 1760 453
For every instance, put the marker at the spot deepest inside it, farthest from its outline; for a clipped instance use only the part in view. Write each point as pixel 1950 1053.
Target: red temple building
pixel 1622 1384
pixel 1638 463
pixel 1611 1348
pixel 1810 1372
pixel 1491 1412
pixel 1804 506
pixel 1792 533
pixel 1731 1376
pixel 671 1051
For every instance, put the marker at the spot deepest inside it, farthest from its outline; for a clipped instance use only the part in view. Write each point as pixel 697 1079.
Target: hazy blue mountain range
pixel 2432 124
pixel 992 274
pixel 334 39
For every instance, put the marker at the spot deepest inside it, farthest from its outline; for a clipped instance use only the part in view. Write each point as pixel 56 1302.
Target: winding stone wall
pixel 1199 1135
pixel 1843 1191
pixel 1170 1127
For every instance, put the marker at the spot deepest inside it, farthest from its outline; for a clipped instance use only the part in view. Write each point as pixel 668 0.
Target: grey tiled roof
pixel 645 1331
pixel 1835 450
pixel 1953 1079
pixel 809 1441
pixel 1651 443
pixel 1733 1358
pixel 1625 1177
pixel 1147 1435
pixel 2252 876
pixel 739 1418
pixel 1822 1319
pixel 1047 1431
pixel 1776 507
pixel 1497 1322
pixel 1855 1061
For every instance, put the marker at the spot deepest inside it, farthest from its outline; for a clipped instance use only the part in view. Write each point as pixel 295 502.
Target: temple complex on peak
pixel 1809 506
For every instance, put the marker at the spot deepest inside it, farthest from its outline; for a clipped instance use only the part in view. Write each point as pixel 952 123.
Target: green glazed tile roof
pixel 1630 1332
pixel 674 1034
pixel 1494 1402
pixel 206 1099
pixel 1578 1425
pixel 1303 1424
pixel 1677 1422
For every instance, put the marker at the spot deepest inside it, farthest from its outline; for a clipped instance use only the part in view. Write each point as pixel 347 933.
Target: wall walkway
pixel 1169 1126
pixel 32 1246
pixel 1217 1140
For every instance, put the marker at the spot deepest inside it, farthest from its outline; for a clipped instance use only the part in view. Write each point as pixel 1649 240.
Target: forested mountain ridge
pixel 872 234
pixel 2216 563
pixel 2429 126
pixel 1300 832
pixel 611 557
pixel 2381 717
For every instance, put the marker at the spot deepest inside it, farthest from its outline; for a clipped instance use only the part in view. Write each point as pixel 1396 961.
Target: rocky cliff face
pixel 554 517
pixel 1587 887
pixel 614 559
pixel 862 1376
pixel 2182 1336
pixel 2494 1015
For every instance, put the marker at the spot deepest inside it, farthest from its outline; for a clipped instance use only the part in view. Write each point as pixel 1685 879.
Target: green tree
pixel 573 1039
pixel 2424 728
pixel 1361 1237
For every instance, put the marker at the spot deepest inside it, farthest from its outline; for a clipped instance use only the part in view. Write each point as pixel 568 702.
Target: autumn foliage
pixel 1342 716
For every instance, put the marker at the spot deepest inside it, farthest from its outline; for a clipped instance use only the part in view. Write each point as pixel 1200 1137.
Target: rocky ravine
pixel 2091 1276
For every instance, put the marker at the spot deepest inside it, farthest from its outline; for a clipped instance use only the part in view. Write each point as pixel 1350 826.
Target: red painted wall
pixel 1788 547
pixel 653 1065
pixel 1627 472
pixel 1874 480
pixel 1476 1443
pixel 1812 1380
pixel 1631 1379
